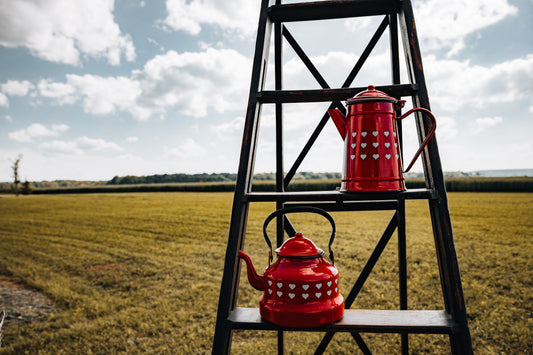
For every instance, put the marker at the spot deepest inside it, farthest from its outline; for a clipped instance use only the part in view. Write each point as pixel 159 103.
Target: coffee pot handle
pixel 298 209
pixel 428 137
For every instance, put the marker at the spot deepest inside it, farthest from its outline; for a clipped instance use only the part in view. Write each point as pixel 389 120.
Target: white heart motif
pixel 329 292
pixel 269 282
pixel 280 285
pixel 329 283
pixel 354 134
pixel 395 145
pixel 394 134
pixel 305 295
pixel 387 144
pixel 279 293
pixel 375 144
pixel 387 156
pixel 318 286
pixel 336 281
pixel 318 294
pixel 353 145
pixel 363 156
pixel 397 156
pixel 292 286
pixel 375 133
pixel 363 134
pixel 386 133
pixel 269 291
pixel 305 287
pixel 352 156
pixel 335 289
pixel 375 156
pixel 363 145
pixel 291 295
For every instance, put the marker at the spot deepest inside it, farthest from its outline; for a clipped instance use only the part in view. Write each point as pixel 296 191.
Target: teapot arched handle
pixel 300 209
pixel 428 137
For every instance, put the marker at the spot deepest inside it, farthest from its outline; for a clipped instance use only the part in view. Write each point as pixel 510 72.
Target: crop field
pixel 140 272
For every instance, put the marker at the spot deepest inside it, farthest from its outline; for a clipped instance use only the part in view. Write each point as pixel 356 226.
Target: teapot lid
pixel 299 247
pixel 371 94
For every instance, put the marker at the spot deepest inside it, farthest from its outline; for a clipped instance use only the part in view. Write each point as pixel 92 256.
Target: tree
pixel 16 173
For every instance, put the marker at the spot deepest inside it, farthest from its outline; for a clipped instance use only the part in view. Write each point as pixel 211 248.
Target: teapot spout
pixel 255 280
pixel 339 120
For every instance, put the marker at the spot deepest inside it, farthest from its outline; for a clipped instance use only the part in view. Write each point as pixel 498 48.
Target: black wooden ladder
pixel 396 14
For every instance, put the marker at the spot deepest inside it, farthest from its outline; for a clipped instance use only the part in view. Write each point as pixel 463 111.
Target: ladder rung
pixel 360 320
pixel 325 10
pixel 324 95
pixel 336 196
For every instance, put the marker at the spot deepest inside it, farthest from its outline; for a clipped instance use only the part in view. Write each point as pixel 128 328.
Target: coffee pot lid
pixel 299 247
pixel 370 95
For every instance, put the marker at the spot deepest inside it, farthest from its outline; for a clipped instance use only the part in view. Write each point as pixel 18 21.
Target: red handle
pixel 428 137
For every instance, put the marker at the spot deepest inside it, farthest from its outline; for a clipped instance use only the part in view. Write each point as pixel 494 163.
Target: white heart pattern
pixel 387 156
pixel 329 283
pixel 270 291
pixel 280 285
pixel 318 286
pixel 363 145
pixel 292 286
pixel 354 134
pixel 386 133
pixel 363 134
pixel 352 156
pixel 353 145
pixel 305 295
pixel 335 289
pixel 395 145
pixel 375 156
pixel 336 281
pixel 394 134
pixel 329 292
pixel 318 294
pixel 279 293
pixel 375 144
pixel 387 144
pixel 375 133
pixel 291 295
pixel 363 156
pixel 397 156
pixel 305 287
pixel 269 282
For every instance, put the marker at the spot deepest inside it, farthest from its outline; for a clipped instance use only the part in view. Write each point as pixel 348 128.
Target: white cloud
pixel 79 146
pixel 238 16
pixel 63 93
pixel 4 102
pixel 8 118
pixel 447 26
pixel 131 140
pixel 106 95
pixel 62 30
pixel 455 84
pixel 17 88
pixel 229 130
pixel 193 82
pixel 485 122
pixel 37 130
pixel 188 149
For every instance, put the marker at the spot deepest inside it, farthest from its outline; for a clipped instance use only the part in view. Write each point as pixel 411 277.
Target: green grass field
pixel 140 272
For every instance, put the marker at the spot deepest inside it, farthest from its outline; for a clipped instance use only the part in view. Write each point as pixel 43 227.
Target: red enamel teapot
pixel 371 148
pixel 301 289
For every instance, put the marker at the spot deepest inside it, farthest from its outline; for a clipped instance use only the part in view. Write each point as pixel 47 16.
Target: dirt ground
pixel 22 304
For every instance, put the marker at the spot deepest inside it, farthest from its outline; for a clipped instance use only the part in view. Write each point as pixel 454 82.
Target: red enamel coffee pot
pixel 301 289
pixel 371 147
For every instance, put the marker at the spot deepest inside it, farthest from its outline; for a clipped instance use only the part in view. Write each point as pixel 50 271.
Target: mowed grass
pixel 140 272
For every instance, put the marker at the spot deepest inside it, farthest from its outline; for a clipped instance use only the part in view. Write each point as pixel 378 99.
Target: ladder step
pixel 286 96
pixel 336 196
pixel 325 10
pixel 359 320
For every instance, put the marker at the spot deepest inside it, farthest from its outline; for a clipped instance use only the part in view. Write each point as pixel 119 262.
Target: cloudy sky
pixel 90 89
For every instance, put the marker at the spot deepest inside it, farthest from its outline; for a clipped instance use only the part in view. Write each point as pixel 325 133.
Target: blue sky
pixel 91 89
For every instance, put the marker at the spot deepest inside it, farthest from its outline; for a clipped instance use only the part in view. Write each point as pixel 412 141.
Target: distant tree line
pixel 220 177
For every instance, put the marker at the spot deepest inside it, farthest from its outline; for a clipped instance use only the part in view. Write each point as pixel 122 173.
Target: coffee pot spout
pixel 339 120
pixel 255 280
